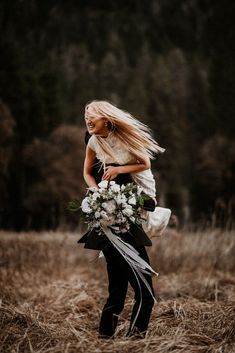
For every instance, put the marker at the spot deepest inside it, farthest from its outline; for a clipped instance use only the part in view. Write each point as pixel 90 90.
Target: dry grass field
pixel 52 292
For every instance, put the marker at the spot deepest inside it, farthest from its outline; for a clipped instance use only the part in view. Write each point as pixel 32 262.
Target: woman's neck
pixel 105 135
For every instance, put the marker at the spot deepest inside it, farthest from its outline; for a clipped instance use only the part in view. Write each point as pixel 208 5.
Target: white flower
pixel 95 195
pixel 118 199
pixel 112 182
pixel 115 187
pixel 85 206
pixel 132 201
pixel 103 184
pixel 123 187
pixel 121 199
pixel 128 211
pixel 104 215
pixel 139 190
pixel 97 214
pixel 109 206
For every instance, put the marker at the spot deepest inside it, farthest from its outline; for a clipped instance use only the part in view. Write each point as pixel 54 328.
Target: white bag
pixel 156 221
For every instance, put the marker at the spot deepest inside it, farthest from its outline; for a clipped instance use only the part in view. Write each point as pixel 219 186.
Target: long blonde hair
pixel 134 135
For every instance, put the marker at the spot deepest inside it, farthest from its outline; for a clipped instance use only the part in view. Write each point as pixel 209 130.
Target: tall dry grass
pixel 52 292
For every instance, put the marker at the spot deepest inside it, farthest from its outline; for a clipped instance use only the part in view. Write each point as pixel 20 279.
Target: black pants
pixel 119 274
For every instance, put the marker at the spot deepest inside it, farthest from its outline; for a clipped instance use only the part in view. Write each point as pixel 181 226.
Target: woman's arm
pixel 112 172
pixel 88 165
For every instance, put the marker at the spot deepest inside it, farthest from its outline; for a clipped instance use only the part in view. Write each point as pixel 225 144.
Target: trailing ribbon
pixel 137 264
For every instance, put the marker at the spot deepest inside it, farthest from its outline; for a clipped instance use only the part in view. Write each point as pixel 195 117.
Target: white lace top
pixel 144 179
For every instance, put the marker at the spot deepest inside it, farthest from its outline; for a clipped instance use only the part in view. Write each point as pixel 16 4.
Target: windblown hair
pixel 135 136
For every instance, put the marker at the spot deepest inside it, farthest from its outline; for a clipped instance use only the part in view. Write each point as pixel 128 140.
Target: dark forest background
pixel 170 63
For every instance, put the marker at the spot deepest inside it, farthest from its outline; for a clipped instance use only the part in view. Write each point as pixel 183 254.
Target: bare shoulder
pixel 92 143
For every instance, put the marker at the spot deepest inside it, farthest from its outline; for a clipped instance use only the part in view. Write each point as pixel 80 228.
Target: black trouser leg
pixel 119 274
pixel 118 284
pixel 142 320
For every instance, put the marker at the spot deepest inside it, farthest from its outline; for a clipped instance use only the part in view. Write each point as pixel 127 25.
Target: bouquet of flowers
pixel 111 205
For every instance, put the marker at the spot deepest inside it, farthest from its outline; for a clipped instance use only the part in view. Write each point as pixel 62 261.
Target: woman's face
pixel 96 126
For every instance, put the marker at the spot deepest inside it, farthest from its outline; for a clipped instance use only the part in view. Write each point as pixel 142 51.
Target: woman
pixel 120 149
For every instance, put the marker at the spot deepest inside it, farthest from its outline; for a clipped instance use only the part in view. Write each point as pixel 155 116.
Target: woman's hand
pixel 110 173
